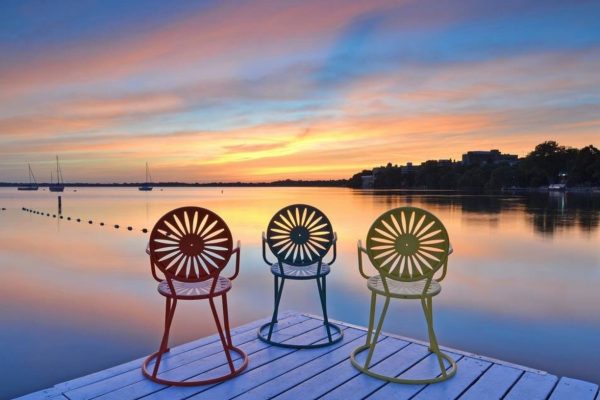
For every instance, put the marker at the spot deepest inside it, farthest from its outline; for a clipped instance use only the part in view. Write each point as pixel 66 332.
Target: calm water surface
pixel 522 284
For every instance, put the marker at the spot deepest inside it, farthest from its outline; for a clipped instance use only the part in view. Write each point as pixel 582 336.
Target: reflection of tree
pixel 548 212
pixel 471 203
pixel 561 211
pixel 554 211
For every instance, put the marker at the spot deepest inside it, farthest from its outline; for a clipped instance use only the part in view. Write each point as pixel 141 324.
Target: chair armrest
pixel 361 250
pixel 264 249
pixel 152 266
pixel 334 249
pixel 236 251
pixel 445 266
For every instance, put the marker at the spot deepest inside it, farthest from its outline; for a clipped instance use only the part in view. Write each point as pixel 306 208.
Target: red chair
pixel 190 246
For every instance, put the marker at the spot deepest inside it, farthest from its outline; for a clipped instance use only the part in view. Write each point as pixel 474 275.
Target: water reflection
pixel 547 212
pixel 81 297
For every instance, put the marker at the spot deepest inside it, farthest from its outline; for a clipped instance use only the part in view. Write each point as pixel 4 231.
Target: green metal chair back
pixel 407 244
pixel 299 235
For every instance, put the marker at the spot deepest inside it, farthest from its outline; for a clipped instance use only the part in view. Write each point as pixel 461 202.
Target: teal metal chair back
pixel 300 236
pixel 408 244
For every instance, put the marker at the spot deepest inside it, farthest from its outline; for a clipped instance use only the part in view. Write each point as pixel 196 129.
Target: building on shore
pixel 492 157
pixel 367 181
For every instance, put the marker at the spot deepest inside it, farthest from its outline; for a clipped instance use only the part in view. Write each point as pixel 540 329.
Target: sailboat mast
pixel 59 177
pixel 31 176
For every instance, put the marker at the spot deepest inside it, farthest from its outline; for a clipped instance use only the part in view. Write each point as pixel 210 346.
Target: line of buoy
pixel 116 226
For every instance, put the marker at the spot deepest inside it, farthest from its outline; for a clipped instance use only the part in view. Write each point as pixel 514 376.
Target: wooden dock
pixel 326 373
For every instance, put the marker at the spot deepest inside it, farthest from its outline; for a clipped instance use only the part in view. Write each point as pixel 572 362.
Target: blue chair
pixel 300 236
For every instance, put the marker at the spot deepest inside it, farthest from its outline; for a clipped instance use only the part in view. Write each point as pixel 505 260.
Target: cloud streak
pixel 269 90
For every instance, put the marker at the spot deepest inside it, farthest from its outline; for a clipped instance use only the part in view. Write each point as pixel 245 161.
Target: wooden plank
pixel 308 370
pixel 213 350
pixel 271 371
pixel 445 349
pixel 569 388
pixel 287 318
pixel 532 386
pixel 427 367
pixel 494 383
pixel 470 369
pixel 39 395
pixel 362 385
pixel 200 365
pixel 45 394
pixel 338 374
pixel 266 356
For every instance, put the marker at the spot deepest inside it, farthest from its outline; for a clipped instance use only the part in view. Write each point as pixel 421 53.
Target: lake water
pixel 76 297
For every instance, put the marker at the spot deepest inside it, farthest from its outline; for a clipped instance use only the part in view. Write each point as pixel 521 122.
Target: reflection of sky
pixel 262 90
pixel 82 295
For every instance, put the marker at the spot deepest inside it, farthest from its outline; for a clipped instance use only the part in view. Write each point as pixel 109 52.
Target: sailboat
pixel 147 186
pixel 32 185
pixel 59 186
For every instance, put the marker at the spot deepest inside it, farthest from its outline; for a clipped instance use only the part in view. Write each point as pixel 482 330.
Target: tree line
pixel 548 163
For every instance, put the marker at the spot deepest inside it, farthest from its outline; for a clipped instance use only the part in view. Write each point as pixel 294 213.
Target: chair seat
pixel 195 290
pixel 406 290
pixel 295 272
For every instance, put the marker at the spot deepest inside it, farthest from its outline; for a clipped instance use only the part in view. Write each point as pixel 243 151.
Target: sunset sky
pixel 263 90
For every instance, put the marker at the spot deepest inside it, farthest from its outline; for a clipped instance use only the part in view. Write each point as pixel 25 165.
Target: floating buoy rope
pixel 90 222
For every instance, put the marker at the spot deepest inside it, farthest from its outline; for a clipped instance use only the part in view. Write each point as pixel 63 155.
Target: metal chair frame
pixel 301 220
pixel 417 238
pixel 185 233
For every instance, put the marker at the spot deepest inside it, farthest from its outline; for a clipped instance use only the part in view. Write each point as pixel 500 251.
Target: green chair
pixel 407 246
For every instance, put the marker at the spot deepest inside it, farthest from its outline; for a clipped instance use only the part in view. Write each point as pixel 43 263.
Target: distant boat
pixel 59 186
pixel 147 186
pixel 32 185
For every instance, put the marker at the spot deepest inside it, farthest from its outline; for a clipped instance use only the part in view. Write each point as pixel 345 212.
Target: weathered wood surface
pixel 326 373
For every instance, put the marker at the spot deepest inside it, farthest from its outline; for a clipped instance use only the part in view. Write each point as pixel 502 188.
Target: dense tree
pixel 548 163
pixel 586 167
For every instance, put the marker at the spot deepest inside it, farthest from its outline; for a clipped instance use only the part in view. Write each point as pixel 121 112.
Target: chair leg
pixel 226 321
pixel 371 317
pixel 377 331
pixel 275 290
pixel 221 335
pixel 278 294
pixel 164 344
pixel 322 286
pixel 433 344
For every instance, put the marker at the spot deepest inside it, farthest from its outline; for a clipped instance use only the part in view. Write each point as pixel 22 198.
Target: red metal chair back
pixel 190 244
